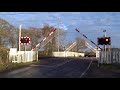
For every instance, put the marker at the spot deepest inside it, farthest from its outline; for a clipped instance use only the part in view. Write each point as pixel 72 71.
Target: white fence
pixel 23 56
pixel 109 57
pixel 68 54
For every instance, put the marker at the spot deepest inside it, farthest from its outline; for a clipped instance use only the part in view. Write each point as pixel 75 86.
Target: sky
pixel 91 24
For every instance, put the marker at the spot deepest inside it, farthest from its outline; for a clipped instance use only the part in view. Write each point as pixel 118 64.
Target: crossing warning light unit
pixel 104 41
pixel 25 40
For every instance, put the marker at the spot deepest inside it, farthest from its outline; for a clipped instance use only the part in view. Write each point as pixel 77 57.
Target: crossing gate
pixel 43 40
pixel 87 44
pixel 109 57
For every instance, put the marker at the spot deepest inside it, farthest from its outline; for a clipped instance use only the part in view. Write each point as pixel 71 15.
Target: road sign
pixel 25 40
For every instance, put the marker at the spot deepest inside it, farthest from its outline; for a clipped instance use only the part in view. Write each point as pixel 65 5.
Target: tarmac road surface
pixel 52 68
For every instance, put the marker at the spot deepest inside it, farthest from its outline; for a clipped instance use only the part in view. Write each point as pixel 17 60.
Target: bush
pixel 3 55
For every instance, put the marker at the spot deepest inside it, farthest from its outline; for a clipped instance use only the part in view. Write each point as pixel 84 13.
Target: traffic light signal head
pixel 25 40
pixel 107 41
pixel 104 41
pixel 100 41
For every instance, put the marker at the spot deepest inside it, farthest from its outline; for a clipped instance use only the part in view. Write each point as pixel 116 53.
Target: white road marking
pixel 86 69
pixel 42 65
pixel 57 65
pixel 13 73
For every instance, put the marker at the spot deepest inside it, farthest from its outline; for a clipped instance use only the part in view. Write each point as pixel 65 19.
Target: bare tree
pixel 49 47
pixel 34 34
pixel 80 44
pixel 8 33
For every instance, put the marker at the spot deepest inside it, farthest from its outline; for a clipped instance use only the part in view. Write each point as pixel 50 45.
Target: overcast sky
pixel 91 24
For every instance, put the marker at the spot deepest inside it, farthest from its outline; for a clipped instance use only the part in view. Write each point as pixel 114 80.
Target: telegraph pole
pixel 19 43
pixel 104 44
pixel 104 37
pixel 58 34
pixel 19 36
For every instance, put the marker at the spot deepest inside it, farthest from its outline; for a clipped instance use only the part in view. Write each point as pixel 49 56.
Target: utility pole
pixel 104 37
pixel 19 44
pixel 58 34
pixel 104 44
pixel 19 36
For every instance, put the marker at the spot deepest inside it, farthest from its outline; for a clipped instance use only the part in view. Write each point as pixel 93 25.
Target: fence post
pixel 115 57
pixel 37 55
pixel 99 59
pixel 119 57
pixel 110 57
pixel 102 57
pixel 107 57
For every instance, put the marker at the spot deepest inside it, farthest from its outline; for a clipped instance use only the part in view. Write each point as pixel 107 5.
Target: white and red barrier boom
pixel 44 39
pixel 88 39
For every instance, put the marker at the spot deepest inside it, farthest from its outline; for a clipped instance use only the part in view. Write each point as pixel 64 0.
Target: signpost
pixel 104 41
pixel 25 41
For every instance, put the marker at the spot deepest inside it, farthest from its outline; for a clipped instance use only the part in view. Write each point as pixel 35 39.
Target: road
pixel 52 68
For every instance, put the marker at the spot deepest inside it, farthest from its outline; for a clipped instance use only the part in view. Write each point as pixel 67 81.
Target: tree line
pixel 9 37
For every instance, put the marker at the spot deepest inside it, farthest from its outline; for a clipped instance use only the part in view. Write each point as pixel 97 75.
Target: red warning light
pixel 25 40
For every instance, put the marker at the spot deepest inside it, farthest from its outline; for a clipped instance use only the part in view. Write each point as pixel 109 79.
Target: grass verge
pixel 12 66
pixel 111 67
pixel 103 71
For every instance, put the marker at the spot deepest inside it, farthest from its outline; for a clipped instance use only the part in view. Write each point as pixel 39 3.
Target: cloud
pixel 63 26
pixel 90 23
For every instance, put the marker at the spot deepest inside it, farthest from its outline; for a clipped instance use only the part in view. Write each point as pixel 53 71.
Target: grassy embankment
pixel 11 66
